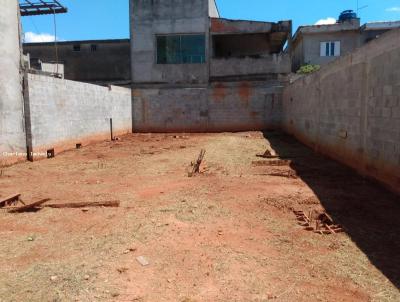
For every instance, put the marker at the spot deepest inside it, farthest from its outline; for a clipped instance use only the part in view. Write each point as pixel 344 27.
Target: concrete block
pixel 396 113
pixel 386 112
pixel 387 90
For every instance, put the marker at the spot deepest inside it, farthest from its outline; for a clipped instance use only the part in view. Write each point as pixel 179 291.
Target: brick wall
pixel 350 109
pixel 239 106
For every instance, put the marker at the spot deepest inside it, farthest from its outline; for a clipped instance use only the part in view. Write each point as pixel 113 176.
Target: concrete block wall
pixel 63 113
pixel 12 129
pixel 350 109
pixel 240 106
pixel 273 64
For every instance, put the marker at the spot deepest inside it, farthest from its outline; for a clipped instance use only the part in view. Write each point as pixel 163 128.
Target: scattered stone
pixel 220 232
pixel 30 238
pixel 85 209
pixel 142 260
pixel 86 277
pixel 53 278
pixel 114 294
pixel 122 270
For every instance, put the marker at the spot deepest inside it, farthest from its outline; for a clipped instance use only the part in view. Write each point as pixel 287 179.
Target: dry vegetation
pixel 228 234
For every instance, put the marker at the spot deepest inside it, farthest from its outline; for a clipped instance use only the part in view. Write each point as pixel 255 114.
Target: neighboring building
pixel 373 30
pixel 103 62
pixel 231 70
pixel 12 130
pixel 321 44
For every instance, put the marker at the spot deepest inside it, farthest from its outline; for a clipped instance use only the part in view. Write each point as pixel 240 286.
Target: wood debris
pixel 276 162
pixel 318 222
pixel 287 174
pixel 122 270
pixel 30 207
pixel 76 205
pixel 268 154
pixel 10 200
pixel 38 205
pixel 197 164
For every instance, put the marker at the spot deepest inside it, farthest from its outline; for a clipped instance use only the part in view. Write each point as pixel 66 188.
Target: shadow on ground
pixel 368 212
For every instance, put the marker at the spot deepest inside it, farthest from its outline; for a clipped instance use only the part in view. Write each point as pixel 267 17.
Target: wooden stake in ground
pixel 196 166
pixel 30 207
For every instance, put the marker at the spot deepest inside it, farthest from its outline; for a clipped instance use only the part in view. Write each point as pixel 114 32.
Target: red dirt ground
pixel 228 234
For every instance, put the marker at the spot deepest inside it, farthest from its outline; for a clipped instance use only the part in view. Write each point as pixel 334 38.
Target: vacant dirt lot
pixel 228 234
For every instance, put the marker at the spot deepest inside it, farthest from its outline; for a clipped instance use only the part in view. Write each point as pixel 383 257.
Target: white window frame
pixel 330 49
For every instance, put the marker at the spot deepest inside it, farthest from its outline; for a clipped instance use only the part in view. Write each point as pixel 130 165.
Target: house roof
pixel 109 41
pixel 380 25
pixel 326 28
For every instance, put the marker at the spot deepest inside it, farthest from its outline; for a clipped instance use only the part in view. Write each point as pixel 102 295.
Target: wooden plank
pixel 275 162
pixel 75 205
pixel 329 228
pixel 12 199
pixel 328 217
pixel 29 207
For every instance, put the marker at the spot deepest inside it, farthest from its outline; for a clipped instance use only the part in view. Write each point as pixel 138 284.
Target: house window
pixel 93 48
pixel 76 47
pixel 330 49
pixel 181 49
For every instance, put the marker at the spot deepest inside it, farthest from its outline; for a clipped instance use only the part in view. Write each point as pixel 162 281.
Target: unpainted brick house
pixel 195 71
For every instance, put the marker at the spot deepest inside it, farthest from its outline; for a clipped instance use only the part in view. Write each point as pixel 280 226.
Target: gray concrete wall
pixel 228 26
pixel 108 64
pixel 222 107
pixel 53 68
pixel 64 113
pixel 307 48
pixel 241 45
pixel 350 109
pixel 297 54
pixel 151 18
pixel 349 41
pixel 271 64
pixel 12 132
pixel 369 35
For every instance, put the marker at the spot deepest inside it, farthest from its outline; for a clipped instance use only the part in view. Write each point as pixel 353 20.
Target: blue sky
pixel 104 19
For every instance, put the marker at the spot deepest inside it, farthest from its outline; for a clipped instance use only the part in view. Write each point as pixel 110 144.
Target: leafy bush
pixel 308 68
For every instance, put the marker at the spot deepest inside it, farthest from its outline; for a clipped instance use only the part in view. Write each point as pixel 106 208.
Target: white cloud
pixel 31 37
pixel 329 20
pixel 393 9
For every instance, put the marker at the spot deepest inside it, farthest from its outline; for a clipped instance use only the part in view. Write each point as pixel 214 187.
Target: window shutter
pixel 337 49
pixel 323 49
